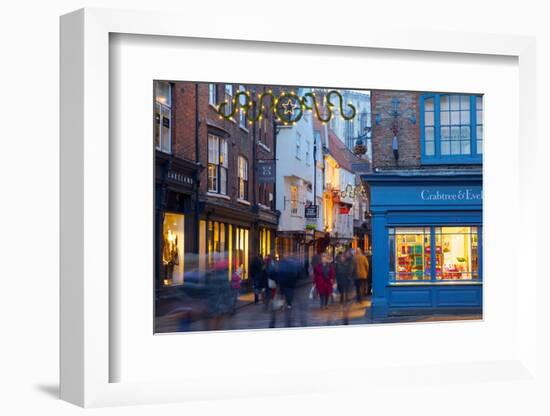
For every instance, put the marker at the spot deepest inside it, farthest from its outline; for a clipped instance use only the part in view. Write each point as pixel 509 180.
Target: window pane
pixel 444 118
pixel 455 148
pixel 479 147
pixel 465 117
pixel 157 125
pixel 445 148
pixel 444 102
pixel 455 117
pixel 163 93
pixel 455 133
pixel 213 149
pixel 429 104
pixel 465 148
pixel 479 103
pixel 223 181
pixel 166 119
pixel 465 134
pixel 429 118
pixel 429 133
pixel 412 250
pixel 212 178
pixel 479 117
pixel 455 247
pixel 445 133
pixel 455 102
pixel 465 102
pixel 430 148
pixel 173 250
pixel 223 153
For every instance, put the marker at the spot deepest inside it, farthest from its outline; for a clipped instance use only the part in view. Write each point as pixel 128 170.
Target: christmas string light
pixel 287 107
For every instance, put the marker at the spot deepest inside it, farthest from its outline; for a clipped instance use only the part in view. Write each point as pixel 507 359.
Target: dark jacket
pixel 344 271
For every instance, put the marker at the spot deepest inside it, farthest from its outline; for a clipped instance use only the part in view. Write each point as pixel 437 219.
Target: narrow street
pixel 305 312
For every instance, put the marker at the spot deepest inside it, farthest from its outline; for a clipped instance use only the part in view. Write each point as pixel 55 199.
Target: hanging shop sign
pixel 312 211
pixel 266 170
pixel 287 107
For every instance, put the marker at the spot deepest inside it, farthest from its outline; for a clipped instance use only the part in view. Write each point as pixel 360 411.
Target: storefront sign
pixel 312 211
pixel 465 194
pixel 408 196
pixel 266 171
pixel 344 209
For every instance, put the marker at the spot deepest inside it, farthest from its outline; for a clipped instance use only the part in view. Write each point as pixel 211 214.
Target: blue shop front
pixel 427 251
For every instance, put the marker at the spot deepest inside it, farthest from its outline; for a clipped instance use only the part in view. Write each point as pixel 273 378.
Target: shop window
pixel 411 249
pixel 456 253
pixel 241 251
pixel 217 164
pixel 243 178
pixel 265 241
pixel 163 116
pixel 213 94
pixel 172 249
pixel 451 128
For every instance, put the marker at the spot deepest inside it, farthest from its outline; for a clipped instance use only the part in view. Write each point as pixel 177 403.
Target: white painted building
pixel 296 177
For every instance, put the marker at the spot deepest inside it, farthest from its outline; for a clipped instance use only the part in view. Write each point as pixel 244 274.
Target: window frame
pixel 438 158
pixel 242 115
pixel 242 180
pixel 229 95
pixel 163 107
pixel 221 165
pixel 392 276
pixel 213 94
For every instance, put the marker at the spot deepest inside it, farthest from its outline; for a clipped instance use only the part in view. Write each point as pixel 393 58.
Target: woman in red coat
pixel 323 277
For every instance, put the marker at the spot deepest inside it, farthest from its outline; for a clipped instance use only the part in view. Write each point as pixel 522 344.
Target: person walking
pixel 324 277
pixel 343 269
pixel 361 270
pixel 270 276
pixel 257 273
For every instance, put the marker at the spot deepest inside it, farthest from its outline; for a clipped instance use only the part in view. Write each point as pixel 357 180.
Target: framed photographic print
pixel 228 198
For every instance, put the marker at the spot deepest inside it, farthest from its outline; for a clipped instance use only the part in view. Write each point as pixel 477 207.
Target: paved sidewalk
pixel 305 312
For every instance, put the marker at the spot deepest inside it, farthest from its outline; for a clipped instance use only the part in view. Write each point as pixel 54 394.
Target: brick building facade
pixel 230 216
pixel 382 133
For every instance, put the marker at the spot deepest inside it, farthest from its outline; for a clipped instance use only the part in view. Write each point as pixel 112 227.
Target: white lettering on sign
pixel 459 195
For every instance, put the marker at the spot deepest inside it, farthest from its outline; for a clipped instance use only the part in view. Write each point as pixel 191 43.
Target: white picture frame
pixel 85 352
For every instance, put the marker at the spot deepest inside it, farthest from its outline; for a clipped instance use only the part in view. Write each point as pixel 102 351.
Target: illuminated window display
pixel 411 253
pixel 265 241
pixel 172 249
pixel 456 253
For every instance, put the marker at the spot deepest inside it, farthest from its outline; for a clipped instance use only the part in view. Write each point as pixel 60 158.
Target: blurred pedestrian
pixel 344 269
pixel 324 280
pixel 258 276
pixel 287 275
pixel 361 273
pixel 270 276
pixel 236 279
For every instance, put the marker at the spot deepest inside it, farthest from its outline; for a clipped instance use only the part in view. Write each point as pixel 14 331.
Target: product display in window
pixel 172 250
pixel 457 253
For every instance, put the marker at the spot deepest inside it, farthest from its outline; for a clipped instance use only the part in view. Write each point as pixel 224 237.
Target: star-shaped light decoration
pixel 289 107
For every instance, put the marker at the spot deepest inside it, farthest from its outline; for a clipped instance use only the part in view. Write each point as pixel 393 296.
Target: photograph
pixel 303 206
